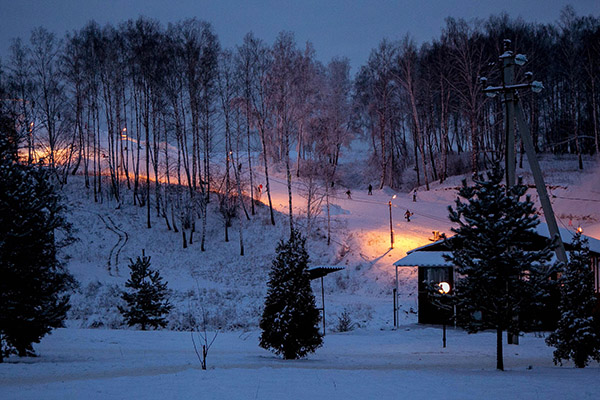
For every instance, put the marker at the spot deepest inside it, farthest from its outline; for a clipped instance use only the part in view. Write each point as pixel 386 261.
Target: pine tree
pixel 577 336
pixel 290 319
pixel 33 282
pixel 501 276
pixel 147 302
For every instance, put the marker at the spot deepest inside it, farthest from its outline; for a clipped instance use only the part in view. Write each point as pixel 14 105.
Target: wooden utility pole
pixel 561 254
pixel 512 110
pixel 508 79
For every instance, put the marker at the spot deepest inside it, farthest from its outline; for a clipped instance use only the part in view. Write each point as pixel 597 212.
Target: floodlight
pixel 520 59
pixel 489 92
pixel 537 86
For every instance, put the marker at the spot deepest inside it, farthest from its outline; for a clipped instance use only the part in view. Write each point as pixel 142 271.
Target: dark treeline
pixel 168 114
pixel 425 105
pixel 172 117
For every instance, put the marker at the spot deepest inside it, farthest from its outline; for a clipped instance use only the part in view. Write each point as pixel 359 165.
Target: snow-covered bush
pixel 344 322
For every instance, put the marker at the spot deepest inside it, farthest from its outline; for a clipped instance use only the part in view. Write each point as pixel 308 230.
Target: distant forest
pixel 145 105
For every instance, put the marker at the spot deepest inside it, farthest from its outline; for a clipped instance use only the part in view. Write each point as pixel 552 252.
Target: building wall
pixel 428 312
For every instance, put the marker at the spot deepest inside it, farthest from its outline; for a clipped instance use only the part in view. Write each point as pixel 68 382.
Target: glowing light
pixel 444 287
pixel 520 59
pixel 579 229
pixel 537 86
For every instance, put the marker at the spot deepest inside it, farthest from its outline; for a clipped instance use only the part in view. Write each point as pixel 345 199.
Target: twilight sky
pixel 348 28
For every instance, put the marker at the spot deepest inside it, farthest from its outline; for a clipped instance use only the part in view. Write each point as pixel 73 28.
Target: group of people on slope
pixel 407 214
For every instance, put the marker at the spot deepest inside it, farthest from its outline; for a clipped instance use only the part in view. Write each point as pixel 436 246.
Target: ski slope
pixel 374 360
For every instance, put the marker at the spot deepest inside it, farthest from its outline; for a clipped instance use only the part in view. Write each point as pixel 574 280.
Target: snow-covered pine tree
pixel 577 336
pixel 290 319
pixel 501 276
pixel 147 302
pixel 33 283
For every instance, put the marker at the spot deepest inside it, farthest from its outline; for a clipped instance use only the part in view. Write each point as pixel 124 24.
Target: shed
pixel 432 266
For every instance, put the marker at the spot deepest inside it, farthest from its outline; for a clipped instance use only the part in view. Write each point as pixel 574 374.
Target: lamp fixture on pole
pixel 444 288
pixel 391 225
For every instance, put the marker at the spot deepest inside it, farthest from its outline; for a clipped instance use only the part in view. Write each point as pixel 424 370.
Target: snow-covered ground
pixel 374 360
pixel 365 364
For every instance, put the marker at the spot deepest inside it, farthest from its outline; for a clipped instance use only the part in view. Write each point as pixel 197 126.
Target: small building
pixel 432 267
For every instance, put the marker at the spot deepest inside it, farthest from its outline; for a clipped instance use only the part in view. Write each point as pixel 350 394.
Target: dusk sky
pixel 348 28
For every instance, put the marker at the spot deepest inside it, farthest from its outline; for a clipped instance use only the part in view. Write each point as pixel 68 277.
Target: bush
pixel 345 323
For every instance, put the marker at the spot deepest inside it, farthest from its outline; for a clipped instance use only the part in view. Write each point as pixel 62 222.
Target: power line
pixel 575 198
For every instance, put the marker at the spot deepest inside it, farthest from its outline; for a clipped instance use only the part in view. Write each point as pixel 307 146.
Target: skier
pixel 349 194
pixel 415 196
pixel 370 190
pixel 407 215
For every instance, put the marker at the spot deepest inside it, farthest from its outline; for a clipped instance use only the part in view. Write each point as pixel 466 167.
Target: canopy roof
pixel 424 259
pixel 431 255
pixel 542 233
pixel 320 271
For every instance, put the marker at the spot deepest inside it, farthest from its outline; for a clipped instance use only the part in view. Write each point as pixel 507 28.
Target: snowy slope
pixel 372 360
pixel 365 364
pixel 231 288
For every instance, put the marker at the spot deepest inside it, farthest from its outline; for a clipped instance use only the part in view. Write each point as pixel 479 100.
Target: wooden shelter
pixel 432 267
pixel 321 271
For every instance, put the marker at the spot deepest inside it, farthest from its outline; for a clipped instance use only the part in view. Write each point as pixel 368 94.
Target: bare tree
pixel 377 107
pixel 50 96
pixel 407 75
pixel 282 83
pixel 21 88
pixel 261 107
pixel 468 61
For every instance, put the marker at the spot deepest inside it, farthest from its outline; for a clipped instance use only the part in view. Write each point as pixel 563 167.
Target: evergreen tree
pixel 577 336
pixel 147 302
pixel 32 280
pixel 501 276
pixel 290 319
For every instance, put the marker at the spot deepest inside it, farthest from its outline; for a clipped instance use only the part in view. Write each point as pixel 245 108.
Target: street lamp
pixel 391 226
pixel 444 288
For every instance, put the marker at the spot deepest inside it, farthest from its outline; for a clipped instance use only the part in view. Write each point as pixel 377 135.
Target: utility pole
pixel 391 225
pixel 508 79
pixel 513 109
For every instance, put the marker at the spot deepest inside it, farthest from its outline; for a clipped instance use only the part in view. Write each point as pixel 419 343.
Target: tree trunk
pixel 499 357
pixel 289 179
pixel 264 146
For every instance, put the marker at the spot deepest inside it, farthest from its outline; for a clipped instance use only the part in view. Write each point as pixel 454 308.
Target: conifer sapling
pixel 147 302
pixel 577 336
pixel 290 319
